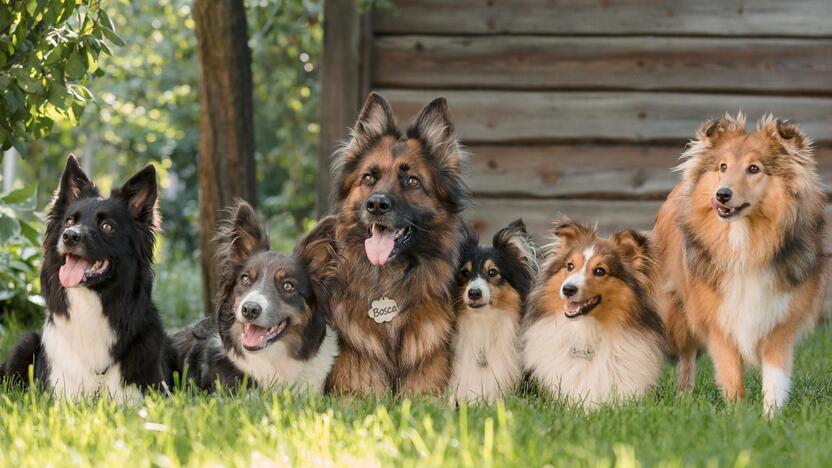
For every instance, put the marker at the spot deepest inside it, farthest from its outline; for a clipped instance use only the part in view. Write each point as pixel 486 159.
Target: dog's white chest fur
pixel 78 350
pixel 578 360
pixel 486 361
pixel 750 309
pixel 274 365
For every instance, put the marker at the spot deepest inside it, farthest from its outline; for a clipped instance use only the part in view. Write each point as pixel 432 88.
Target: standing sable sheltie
pixel 102 335
pixel 492 284
pixel 398 200
pixel 740 241
pixel 271 322
pixel 591 331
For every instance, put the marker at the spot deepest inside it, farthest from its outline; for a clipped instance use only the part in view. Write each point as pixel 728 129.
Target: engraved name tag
pixel 383 310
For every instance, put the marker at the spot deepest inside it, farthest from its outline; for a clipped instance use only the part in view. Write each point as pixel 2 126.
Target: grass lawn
pixel 267 429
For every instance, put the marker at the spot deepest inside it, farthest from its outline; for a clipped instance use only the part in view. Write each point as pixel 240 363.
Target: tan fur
pixel 616 350
pixel 410 353
pixel 744 289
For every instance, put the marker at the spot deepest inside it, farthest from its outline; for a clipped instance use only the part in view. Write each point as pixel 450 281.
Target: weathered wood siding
pixel 582 107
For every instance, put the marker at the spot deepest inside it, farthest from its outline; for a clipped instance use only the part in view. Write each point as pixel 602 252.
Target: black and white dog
pixel 491 288
pixel 271 320
pixel 102 335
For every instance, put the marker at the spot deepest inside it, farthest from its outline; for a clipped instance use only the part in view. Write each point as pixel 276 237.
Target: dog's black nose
pixel 251 310
pixel 569 290
pixel 474 294
pixel 71 236
pixel 724 195
pixel 379 203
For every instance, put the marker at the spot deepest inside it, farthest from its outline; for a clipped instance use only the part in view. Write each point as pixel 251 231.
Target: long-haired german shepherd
pixel 102 334
pixel 398 200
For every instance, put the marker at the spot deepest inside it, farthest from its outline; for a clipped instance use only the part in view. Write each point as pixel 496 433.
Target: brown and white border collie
pixel 271 321
pixel 591 333
pixel 492 285
pixel 739 241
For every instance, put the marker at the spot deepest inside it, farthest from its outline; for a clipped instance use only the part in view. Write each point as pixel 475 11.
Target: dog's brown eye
pixel 107 227
pixel 465 274
pixel 599 271
pixel 570 267
pixel 245 280
pixel 368 179
pixel 493 272
pixel 413 182
pixel 288 286
pixel 723 167
pixel 69 222
pixel 753 169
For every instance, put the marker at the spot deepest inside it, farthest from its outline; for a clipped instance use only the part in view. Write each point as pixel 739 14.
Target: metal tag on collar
pixel 582 353
pixel 383 310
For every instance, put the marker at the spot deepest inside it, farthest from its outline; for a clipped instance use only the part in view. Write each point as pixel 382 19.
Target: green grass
pixel 265 428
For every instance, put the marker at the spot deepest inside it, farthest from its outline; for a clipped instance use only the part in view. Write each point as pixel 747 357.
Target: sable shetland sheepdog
pixel 271 322
pixel 102 335
pixel 492 284
pixel 398 198
pixel 740 240
pixel 591 331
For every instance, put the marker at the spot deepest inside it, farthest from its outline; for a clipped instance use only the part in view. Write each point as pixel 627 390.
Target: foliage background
pixel 144 108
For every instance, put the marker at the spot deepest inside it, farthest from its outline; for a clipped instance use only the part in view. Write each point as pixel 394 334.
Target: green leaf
pixel 75 66
pixel 9 228
pixel 23 199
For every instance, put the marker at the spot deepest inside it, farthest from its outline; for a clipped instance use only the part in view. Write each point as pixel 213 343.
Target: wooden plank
pixel 585 171
pixel 667 17
pixel 491 214
pixel 513 116
pixel 644 63
pixel 344 82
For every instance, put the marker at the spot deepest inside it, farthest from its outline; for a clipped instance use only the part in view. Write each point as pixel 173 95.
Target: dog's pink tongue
pixel 253 335
pixel 379 246
pixel 72 271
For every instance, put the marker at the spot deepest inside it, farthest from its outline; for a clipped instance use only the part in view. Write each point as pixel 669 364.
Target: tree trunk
pixel 226 130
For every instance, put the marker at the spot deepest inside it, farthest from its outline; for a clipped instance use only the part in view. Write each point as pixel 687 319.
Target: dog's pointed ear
pixel 317 249
pixel 567 232
pixel 375 119
pixel 784 134
pixel 140 192
pixel 241 236
pixel 712 131
pixel 434 128
pixel 74 183
pixel 514 238
pixel 469 235
pixel 433 124
pixel 634 248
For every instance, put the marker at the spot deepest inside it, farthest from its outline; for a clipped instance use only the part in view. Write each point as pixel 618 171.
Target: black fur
pixel 515 268
pixel 141 349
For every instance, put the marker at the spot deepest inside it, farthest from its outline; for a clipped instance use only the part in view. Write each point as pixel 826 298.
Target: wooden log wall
pixel 582 107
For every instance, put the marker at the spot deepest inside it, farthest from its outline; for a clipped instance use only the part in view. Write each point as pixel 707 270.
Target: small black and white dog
pixel 102 335
pixel 271 320
pixel 492 285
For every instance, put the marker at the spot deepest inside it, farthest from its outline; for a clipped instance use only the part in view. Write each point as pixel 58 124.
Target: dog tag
pixel 579 353
pixel 383 310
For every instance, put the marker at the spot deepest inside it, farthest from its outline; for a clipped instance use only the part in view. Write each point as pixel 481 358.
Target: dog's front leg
pixel 727 364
